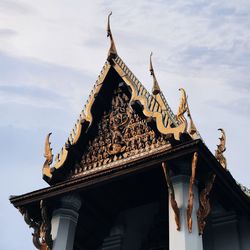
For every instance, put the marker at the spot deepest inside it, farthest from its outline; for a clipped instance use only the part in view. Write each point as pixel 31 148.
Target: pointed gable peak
pixel 115 79
pixel 156 88
pixel 112 50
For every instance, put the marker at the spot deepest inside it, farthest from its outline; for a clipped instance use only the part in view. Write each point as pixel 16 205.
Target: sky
pixel 51 53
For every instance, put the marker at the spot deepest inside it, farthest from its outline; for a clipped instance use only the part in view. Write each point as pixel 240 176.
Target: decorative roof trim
pixel 48 157
pixel 165 120
pixel 112 50
pixel 221 148
pixel 184 108
pixel 85 117
pixel 156 88
pixel 244 189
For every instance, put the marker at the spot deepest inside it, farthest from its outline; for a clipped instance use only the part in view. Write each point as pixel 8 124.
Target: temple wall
pixel 227 230
pixel 131 228
pixel 244 227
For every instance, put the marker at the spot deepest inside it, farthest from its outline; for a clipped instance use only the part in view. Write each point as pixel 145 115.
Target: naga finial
pixel 221 148
pixel 183 103
pixel 112 49
pixel 156 88
pixel 183 108
pixel 48 155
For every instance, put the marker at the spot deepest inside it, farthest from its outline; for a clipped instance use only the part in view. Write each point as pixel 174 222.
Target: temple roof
pixel 121 142
pixel 227 190
pixel 160 129
pixel 154 106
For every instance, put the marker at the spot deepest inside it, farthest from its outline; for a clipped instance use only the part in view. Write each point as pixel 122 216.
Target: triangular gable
pixel 123 135
pixel 165 121
pixel 154 107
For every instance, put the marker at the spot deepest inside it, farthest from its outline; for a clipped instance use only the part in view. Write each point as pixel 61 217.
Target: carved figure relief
pixel 191 193
pixel 42 238
pixel 122 133
pixel 205 207
pixel 173 202
pixel 221 148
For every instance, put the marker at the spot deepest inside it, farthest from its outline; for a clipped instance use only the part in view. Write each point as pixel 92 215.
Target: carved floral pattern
pixel 205 207
pixel 42 238
pixel 122 133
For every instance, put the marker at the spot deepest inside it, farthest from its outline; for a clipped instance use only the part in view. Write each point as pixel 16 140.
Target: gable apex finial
pixel 156 88
pixel 112 49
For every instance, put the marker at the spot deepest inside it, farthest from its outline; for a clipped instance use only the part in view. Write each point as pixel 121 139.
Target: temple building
pixel 133 175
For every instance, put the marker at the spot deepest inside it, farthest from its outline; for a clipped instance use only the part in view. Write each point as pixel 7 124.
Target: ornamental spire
pixel 156 88
pixel 48 156
pixel 183 108
pixel 112 49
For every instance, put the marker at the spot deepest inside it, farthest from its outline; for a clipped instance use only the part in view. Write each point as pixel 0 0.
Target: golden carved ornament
pixel 112 50
pixel 156 88
pixel 172 196
pixel 153 107
pixel 221 148
pixel 190 193
pixel 122 134
pixel 184 108
pixel 48 156
pixel 160 98
pixel 166 122
pixel 42 238
pixel 205 207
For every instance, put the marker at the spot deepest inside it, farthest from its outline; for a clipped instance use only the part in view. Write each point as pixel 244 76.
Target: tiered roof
pixel 154 105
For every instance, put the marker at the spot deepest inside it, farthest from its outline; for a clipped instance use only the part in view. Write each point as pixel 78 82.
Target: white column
pixel 64 221
pixel 183 240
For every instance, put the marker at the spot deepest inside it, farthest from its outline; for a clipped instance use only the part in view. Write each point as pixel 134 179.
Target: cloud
pixel 7 33
pixel 30 81
pixel 14 6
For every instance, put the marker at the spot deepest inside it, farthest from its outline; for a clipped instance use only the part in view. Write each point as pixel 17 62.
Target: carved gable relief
pixel 122 135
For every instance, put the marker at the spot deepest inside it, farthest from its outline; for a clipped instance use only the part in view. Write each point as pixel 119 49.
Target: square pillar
pixel 183 240
pixel 64 221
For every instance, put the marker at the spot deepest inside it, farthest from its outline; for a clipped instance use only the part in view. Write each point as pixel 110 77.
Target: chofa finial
pixel 156 88
pixel 112 49
pixel 221 148
pixel 48 156
pixel 183 108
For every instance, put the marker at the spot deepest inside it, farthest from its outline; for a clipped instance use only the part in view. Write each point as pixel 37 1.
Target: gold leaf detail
pixel 221 148
pixel 172 196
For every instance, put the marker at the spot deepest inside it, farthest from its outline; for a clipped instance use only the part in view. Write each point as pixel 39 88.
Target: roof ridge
pixel 135 80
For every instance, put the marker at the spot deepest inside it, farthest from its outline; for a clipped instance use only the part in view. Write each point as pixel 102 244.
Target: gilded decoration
pixel 184 108
pixel 173 202
pixel 221 148
pixel 42 238
pixel 48 156
pixel 154 107
pixel 191 193
pixel 205 207
pixel 166 122
pixel 112 50
pixel 122 134
pixel 156 89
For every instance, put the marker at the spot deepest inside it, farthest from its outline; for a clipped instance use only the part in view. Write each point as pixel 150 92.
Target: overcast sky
pixel 51 53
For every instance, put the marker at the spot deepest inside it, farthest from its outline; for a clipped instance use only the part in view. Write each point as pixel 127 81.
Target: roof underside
pixel 225 188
